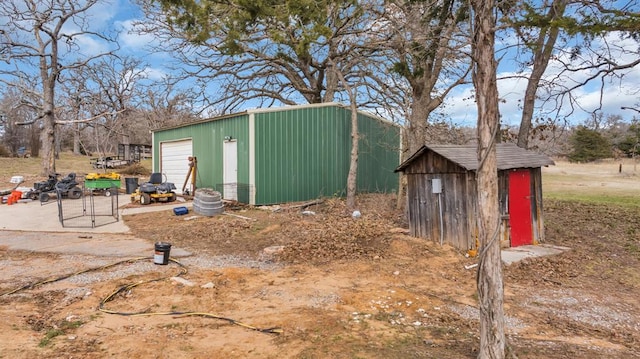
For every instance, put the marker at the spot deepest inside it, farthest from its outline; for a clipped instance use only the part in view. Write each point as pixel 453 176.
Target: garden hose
pixel 110 297
pixel 66 276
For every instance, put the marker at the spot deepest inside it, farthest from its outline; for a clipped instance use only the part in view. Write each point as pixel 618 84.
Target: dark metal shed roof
pixel 509 155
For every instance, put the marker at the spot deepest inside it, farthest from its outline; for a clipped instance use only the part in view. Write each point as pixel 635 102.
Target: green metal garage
pixel 278 155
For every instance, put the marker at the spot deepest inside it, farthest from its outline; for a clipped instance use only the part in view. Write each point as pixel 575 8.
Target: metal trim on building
pixel 252 159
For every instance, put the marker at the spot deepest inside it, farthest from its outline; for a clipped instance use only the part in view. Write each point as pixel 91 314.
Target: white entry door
pixel 230 170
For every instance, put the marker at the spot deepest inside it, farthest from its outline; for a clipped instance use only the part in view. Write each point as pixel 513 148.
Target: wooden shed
pixel 442 194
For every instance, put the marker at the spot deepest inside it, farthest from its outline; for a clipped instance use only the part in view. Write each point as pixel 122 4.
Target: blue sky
pixel 616 94
pixel 120 14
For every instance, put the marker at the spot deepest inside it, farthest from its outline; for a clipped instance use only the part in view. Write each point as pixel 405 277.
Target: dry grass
pixel 67 162
pixel 31 168
pixel 602 182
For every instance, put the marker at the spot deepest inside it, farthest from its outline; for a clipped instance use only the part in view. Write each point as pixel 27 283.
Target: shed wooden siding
pixel 457 197
pixel 459 193
pixel 536 204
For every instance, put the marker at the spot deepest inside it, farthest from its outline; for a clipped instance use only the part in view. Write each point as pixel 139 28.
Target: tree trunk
pixel 421 108
pixel 417 131
pixel 541 56
pixel 48 146
pixel 401 198
pixel 489 278
pixel 76 138
pixel 34 140
pixel 352 177
pixel 48 135
pixel 353 165
pixel 48 74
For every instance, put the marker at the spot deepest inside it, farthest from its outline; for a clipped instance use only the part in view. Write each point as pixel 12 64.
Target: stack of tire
pixel 207 202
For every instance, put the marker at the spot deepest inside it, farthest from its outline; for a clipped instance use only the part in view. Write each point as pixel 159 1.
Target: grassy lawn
pixel 600 183
pixel 68 162
pixel 30 168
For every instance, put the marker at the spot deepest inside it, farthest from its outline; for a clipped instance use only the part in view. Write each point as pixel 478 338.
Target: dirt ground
pixel 279 282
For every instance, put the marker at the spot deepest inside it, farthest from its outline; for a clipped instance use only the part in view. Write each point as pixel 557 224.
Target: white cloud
pixel 131 40
pixel 155 74
pixel 101 14
pixel 90 46
pixel 98 19
pixel 607 97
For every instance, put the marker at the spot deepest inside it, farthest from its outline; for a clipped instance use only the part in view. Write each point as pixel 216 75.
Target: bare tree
pixel 355 138
pixel 576 24
pixel 74 93
pixel 427 48
pixel 13 135
pixel 121 103
pixel 542 48
pixel 276 53
pixel 41 40
pixel 489 277
pixel 163 105
pixel 21 119
pixel 115 88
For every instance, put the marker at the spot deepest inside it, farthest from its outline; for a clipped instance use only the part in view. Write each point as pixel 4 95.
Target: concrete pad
pixel 516 254
pixel 33 216
pixel 105 245
pixel 32 226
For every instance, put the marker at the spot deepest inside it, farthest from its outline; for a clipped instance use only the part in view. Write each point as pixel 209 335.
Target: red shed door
pixel 520 208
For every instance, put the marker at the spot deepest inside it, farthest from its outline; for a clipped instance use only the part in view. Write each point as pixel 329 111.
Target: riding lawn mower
pixel 67 186
pixel 156 190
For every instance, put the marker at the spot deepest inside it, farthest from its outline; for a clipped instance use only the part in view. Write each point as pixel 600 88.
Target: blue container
pixel 179 211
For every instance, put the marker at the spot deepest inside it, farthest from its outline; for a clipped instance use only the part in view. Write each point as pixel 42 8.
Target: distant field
pixel 600 182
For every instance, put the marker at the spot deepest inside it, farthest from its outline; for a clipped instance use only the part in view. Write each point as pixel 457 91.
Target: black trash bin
pixel 131 184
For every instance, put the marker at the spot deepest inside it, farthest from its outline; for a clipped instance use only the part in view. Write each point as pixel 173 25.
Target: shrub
pixel 136 169
pixel 4 152
pixel 588 145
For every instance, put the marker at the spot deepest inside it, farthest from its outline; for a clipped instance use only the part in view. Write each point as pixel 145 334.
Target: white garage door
pixel 174 161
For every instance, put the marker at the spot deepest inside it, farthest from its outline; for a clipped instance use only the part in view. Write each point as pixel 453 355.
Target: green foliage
pixel 630 145
pixel 188 15
pixel 61 329
pixel 588 145
pixel 592 19
pixel 48 336
pixel 283 46
pixel 295 23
